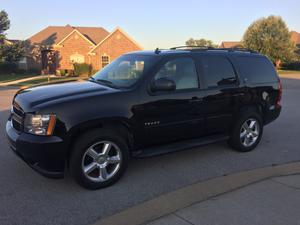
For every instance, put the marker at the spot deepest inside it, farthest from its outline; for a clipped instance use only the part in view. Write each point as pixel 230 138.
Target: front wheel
pixel 247 132
pixel 99 158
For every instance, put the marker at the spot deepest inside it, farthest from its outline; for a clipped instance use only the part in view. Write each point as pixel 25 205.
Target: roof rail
pixel 237 50
pixel 206 48
pixel 191 47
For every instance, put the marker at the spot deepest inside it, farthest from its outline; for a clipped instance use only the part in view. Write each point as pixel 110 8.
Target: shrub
pixel 7 68
pixel 34 71
pixel 82 69
pixel 94 71
pixel 62 73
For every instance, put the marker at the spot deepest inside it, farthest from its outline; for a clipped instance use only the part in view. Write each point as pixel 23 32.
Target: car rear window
pixel 257 69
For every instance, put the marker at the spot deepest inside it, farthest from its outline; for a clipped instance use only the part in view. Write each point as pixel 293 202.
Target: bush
pixel 34 71
pixel 62 73
pixel 82 69
pixel 94 71
pixel 7 68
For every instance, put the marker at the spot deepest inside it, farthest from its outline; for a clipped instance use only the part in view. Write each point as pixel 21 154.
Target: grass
pixel 45 81
pixel 13 77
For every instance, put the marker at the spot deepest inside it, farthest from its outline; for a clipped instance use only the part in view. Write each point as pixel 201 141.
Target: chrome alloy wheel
pixel 249 132
pixel 101 161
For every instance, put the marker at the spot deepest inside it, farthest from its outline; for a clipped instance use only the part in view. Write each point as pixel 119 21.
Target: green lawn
pixel 13 77
pixel 45 81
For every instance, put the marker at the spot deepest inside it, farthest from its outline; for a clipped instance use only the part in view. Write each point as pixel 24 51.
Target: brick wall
pixel 114 46
pixel 74 44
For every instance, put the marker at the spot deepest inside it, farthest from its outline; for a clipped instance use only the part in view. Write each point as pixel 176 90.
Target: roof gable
pixel 80 34
pixel 112 33
pixel 53 35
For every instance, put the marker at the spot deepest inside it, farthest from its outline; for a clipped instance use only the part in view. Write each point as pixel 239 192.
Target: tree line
pixel 269 36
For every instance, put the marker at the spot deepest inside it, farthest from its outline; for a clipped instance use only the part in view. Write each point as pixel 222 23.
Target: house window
pixel 105 60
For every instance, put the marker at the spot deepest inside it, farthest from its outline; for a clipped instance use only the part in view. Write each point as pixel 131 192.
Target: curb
pixel 175 200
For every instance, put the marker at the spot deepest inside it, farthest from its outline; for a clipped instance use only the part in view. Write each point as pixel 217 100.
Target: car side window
pixel 218 71
pixel 182 71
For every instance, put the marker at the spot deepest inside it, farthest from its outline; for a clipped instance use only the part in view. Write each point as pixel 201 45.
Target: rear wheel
pixel 247 131
pixel 99 158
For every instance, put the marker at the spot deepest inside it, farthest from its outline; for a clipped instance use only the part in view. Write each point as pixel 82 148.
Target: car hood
pixel 31 97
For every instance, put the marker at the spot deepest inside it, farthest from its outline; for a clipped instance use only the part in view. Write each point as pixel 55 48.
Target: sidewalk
pixel 263 196
pixel 270 202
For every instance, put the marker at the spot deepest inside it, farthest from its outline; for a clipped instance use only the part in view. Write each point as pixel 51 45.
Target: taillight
pixel 278 102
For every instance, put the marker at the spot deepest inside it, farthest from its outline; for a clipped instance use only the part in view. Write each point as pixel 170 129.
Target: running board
pixel 178 146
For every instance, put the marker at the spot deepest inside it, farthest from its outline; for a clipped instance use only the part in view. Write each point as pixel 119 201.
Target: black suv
pixel 144 104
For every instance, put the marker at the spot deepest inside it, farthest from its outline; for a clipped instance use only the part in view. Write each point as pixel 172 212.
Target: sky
pixel 152 23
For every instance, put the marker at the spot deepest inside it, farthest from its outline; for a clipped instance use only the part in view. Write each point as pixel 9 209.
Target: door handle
pixel 196 99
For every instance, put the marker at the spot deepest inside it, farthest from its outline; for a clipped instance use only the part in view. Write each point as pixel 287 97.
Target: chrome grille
pixel 17 117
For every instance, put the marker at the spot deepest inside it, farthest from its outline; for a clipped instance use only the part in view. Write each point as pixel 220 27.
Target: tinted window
pixel 218 71
pixel 182 71
pixel 257 69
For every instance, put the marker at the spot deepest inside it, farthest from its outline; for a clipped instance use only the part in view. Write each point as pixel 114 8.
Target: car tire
pixel 247 131
pixel 98 159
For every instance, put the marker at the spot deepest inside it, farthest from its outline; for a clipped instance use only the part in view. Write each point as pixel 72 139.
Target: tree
pixel 271 37
pixel 4 25
pixel 12 53
pixel 200 42
pixel 9 52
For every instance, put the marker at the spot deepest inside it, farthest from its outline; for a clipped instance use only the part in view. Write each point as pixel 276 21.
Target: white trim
pixel 117 29
pixel 80 34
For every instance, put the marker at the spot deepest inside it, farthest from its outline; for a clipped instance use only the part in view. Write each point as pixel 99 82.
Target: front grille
pixel 17 117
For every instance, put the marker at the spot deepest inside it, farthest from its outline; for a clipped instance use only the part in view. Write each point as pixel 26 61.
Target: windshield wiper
pixel 105 82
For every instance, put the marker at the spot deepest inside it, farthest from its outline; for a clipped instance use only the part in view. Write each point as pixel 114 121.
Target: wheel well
pixel 120 127
pixel 255 107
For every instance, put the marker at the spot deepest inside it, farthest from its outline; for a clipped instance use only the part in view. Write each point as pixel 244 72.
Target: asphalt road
pixel 28 198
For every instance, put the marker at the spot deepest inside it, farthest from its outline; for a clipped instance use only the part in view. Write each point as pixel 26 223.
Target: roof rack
pixel 206 48
pixel 190 47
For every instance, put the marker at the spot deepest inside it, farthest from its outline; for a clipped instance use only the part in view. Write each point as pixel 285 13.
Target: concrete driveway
pixel 28 198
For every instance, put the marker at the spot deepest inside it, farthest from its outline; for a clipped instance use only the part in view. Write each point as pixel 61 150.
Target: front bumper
pixel 46 155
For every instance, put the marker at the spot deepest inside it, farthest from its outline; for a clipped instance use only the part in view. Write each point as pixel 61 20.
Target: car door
pixel 222 92
pixel 173 115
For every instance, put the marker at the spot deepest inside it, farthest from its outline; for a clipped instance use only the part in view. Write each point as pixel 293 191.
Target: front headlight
pixel 39 124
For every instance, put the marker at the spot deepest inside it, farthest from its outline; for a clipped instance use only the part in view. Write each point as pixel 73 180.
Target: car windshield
pixel 124 71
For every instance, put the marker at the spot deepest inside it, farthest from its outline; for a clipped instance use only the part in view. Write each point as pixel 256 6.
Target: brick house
pixel 59 47
pixel 295 36
pixel 231 44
